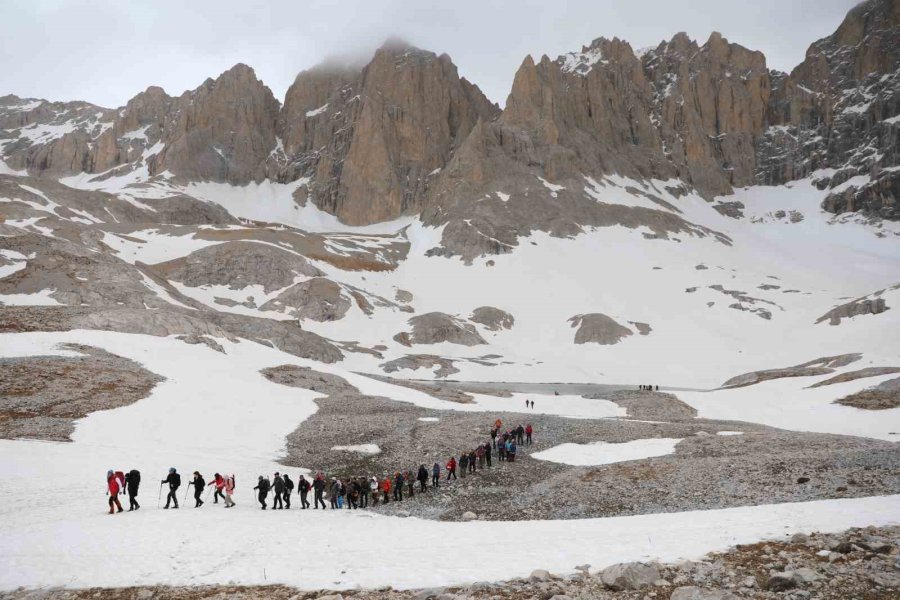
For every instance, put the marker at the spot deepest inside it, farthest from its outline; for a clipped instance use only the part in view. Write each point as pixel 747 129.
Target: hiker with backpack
pixel 386 488
pixel 511 450
pixel 353 494
pixel 318 490
pixel 303 487
pixel 494 437
pixel 288 490
pixel 112 488
pixel 451 468
pixel 520 434
pixel 334 493
pixel 132 483
pixel 229 491
pixel 263 487
pixel 487 453
pixel 174 481
pixel 278 489
pixel 528 431
pixel 219 482
pixel 374 486
pixel 199 485
pixel 479 453
pixel 422 477
pixel 398 487
pixel 463 464
pixel 471 461
pixel 410 483
pixel 435 476
pixel 364 490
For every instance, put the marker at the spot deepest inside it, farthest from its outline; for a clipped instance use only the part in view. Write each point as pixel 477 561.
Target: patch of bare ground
pixel 41 396
pixel 881 397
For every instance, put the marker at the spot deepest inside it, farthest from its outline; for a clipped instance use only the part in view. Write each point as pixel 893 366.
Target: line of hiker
pixel 353 494
pixel 648 388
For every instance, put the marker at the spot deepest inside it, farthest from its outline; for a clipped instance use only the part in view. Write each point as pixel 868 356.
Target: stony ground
pixel 861 564
pixel 761 466
pixel 41 396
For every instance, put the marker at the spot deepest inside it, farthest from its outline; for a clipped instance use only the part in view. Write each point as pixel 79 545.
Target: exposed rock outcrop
pixel 819 366
pixel 492 318
pixel 598 328
pixel 437 327
pixel 873 304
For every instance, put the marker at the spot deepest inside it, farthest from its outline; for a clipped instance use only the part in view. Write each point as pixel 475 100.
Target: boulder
pixel 630 576
pixel 695 593
pixel 779 582
pixel 539 575
pixel 469 516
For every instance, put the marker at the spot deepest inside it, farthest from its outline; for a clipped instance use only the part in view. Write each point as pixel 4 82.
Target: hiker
pixel 398 487
pixel 334 494
pixel 472 460
pixel 463 464
pixel 511 451
pixel 479 453
pixel 498 424
pixel 487 453
pixel 528 431
pixel 435 476
pixel 386 488
pixel 423 478
pixel 520 434
pixel 263 487
pixel 229 491
pixel 355 494
pixel 318 489
pixel 278 488
pixel 526 403
pixel 288 490
pixel 174 481
pixel 657 388
pixel 132 482
pixel 451 468
pixel 493 437
pixel 363 484
pixel 501 450
pixel 219 482
pixel 113 488
pixel 303 487
pixel 199 485
pixel 410 483
pixel 373 489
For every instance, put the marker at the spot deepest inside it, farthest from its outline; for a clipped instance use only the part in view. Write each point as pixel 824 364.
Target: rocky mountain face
pixel 371 141
pixel 405 134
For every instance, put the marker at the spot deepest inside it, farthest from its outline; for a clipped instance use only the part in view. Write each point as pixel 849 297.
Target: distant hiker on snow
pixel 319 489
pixel 113 486
pixel 263 487
pixel 174 481
pixel 303 486
pixel 364 490
pixel 219 482
pixel 132 483
pixel 278 488
pixel 288 490
pixel 229 491
pixel 199 485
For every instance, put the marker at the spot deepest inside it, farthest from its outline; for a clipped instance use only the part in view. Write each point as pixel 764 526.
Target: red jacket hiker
pixel 114 483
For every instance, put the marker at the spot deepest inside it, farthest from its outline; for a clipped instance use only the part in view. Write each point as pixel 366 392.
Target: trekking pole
pixel 185 494
pixel 159 497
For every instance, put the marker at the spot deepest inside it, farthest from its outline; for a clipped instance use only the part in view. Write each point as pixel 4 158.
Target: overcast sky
pixel 106 51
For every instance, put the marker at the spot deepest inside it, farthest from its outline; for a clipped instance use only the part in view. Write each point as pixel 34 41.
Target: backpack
pixel 176 479
pixel 134 478
pixel 120 476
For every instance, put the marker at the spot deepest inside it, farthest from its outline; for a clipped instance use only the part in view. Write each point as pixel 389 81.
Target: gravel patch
pixel 42 396
pixel 761 466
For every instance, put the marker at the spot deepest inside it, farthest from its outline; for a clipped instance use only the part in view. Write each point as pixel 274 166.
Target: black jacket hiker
pixel 174 481
pixel 263 487
pixel 132 483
